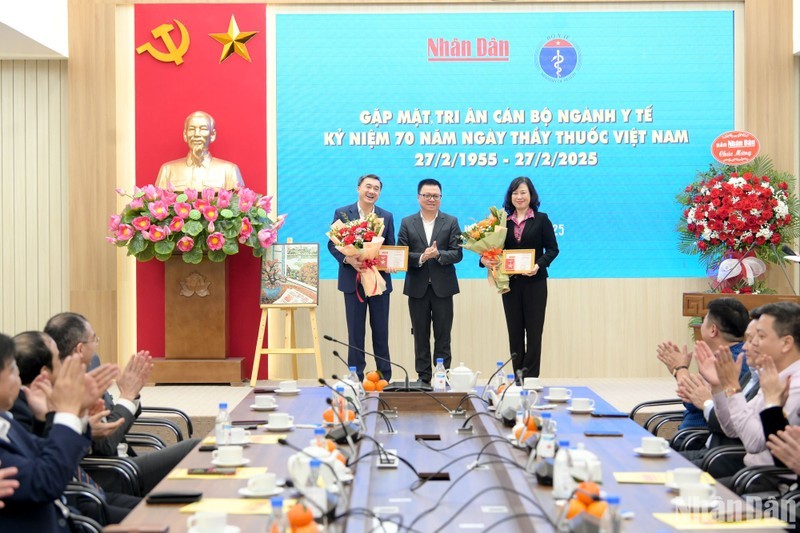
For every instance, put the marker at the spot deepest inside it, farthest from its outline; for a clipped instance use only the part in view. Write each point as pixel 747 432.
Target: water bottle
pixel 563 484
pixel 546 446
pixel 319 437
pixel 497 379
pixel 276 522
pixel 223 419
pixel 341 404
pixel 611 522
pixel 522 409
pixel 352 377
pixel 439 376
pixel 314 480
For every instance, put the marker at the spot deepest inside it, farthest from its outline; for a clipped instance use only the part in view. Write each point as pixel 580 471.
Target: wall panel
pixel 34 280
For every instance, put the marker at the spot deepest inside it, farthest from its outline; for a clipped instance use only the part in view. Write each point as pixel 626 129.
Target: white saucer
pixel 491 408
pixel 671 485
pixel 544 406
pixel 540 388
pixel 699 506
pixel 278 428
pixel 580 411
pixel 255 407
pixel 559 400
pixel 243 462
pixel 640 451
pixel 245 442
pixel 287 392
pixel 228 529
pixel 247 493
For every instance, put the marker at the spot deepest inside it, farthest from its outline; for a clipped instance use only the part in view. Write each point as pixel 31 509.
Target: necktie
pixel 84 477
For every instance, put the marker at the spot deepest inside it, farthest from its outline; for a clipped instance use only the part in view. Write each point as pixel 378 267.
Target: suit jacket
pixel 107 446
pixel 440 271
pixel 45 467
pixel 347 274
pixel 537 235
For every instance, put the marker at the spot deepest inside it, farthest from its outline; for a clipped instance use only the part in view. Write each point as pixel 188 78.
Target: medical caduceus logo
pixel 558 59
pixel 174 53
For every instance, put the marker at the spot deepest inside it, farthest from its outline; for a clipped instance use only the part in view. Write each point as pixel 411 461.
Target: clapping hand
pixel 69 389
pixel 431 252
pixel 693 389
pixel 97 381
pixel 135 375
pixel 728 370
pixel 100 428
pixel 775 391
pixel 785 445
pixel 7 486
pixel 672 356
pixel 38 396
pixel 706 364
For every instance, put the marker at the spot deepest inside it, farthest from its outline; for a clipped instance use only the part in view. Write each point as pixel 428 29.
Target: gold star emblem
pixel 233 41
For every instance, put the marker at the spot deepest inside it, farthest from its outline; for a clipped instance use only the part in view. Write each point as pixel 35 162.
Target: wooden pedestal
pixel 198 371
pixel 196 319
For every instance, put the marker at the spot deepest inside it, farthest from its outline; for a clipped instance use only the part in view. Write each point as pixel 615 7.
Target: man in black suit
pixel 433 242
pixel 355 301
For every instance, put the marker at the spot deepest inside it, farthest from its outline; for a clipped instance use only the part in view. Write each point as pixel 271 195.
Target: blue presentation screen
pixel 610 114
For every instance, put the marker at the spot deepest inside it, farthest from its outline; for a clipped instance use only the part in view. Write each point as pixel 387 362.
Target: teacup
pixel 582 404
pixel 560 393
pixel 262 400
pixel 290 385
pixel 262 483
pixel 532 383
pixel 280 420
pixel 239 436
pixel 696 492
pixel 228 455
pixel 208 522
pixel 654 445
pixel 684 476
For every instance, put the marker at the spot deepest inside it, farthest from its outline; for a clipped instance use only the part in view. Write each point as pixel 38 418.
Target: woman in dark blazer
pixel 526 302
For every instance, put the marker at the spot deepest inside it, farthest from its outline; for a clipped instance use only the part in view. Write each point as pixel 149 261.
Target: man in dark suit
pixel 433 241
pixel 356 302
pixel 45 466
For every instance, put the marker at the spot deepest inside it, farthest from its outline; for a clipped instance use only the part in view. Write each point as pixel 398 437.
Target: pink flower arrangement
pixel 210 223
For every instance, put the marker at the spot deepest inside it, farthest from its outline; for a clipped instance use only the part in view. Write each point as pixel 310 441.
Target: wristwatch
pixel 675 370
pixel 730 391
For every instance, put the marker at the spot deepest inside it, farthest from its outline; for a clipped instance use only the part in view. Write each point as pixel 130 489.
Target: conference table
pixel 494 492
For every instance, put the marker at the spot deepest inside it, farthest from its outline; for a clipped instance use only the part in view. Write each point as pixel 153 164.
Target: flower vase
pixel 272 292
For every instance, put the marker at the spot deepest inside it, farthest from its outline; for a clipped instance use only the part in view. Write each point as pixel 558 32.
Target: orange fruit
pixel 351 415
pixel 299 515
pixel 369 386
pixel 341 458
pixel 330 445
pixel 528 433
pixel 308 528
pixel 373 376
pixel 597 509
pixel 381 384
pixel 574 508
pixel 327 416
pixel 501 388
pixel 532 424
pixel 586 492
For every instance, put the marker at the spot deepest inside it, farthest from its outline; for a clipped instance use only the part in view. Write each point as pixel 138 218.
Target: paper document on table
pixel 654 478
pixel 241 473
pixel 705 521
pixel 233 505
pixel 254 439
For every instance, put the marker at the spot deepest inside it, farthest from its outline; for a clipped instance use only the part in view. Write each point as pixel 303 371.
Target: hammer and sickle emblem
pixel 173 53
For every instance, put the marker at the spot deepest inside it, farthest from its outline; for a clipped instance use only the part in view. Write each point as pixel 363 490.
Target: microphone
pixel 348 430
pixel 381 401
pixel 521 375
pixel 488 383
pixel 789 256
pixel 500 401
pixel 361 417
pixel 339 357
pixel 356 408
pixel 393 387
pixel 467 397
pixel 345 382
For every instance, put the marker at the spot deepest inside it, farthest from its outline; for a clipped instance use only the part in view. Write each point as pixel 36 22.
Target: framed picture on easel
pixel 290 275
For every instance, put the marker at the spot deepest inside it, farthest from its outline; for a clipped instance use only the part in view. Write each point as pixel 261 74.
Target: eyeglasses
pixel 431 196
pixel 94 339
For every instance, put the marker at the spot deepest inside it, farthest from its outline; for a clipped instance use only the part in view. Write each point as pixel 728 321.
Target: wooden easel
pixel 289 338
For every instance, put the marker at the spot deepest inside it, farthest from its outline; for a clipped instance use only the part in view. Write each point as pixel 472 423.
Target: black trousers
pixel 525 306
pixel 423 311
